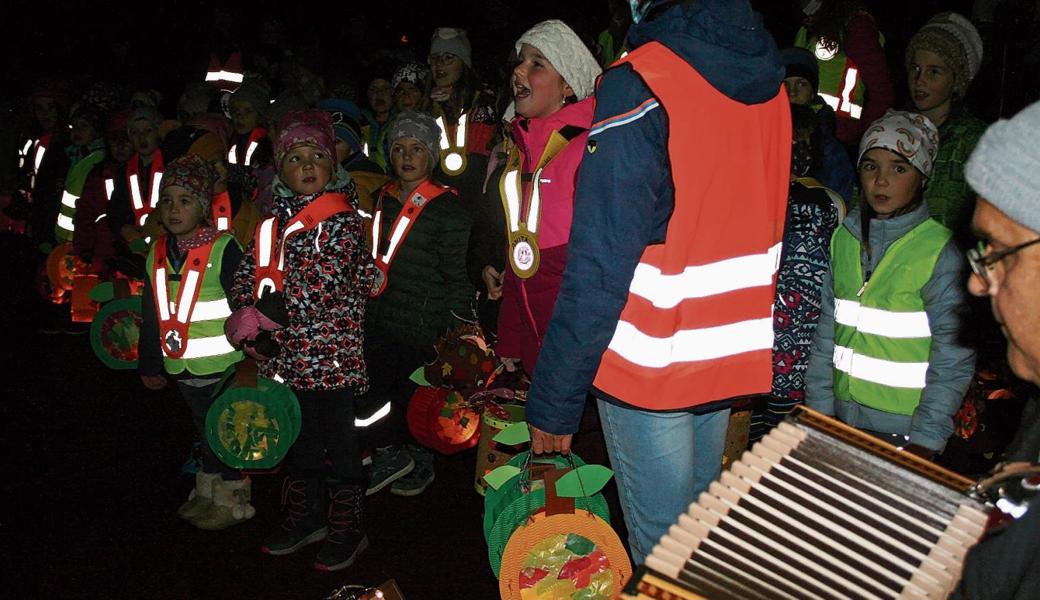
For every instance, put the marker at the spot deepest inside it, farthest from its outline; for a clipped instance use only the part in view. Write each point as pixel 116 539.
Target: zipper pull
pixel 864 287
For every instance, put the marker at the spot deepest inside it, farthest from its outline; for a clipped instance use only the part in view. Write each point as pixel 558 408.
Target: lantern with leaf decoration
pixel 116 328
pixel 547 528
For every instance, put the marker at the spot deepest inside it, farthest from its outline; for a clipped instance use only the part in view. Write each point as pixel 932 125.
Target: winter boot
pixel 230 505
pixel 200 498
pixel 304 522
pixel 346 538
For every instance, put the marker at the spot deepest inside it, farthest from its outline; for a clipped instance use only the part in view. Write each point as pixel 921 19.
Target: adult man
pixel 665 307
pixel 1005 171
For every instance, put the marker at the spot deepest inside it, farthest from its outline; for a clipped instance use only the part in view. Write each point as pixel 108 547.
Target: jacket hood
pixel 724 40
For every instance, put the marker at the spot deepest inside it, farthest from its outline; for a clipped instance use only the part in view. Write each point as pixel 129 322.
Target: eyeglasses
pixel 981 264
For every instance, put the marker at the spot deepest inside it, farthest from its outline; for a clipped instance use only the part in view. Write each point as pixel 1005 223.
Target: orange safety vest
pixel 697 326
pixel 144 196
pixel 244 155
pixel 228 75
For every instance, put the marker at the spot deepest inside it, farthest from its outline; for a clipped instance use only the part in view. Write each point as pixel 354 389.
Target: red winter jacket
pixel 527 304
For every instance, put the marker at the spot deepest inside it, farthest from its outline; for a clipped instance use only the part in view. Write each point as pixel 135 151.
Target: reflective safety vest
pixel 268 242
pixel 74 181
pixel 841 84
pixel 411 208
pixel 255 136
pixel 697 326
pixel 192 309
pixel 140 207
pixel 226 76
pixel 882 340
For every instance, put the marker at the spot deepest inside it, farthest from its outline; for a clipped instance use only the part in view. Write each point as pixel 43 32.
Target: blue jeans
pixel 662 461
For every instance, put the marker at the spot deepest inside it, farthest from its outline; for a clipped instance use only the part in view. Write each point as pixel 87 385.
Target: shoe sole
pixel 362 545
pixel 414 491
pixel 391 479
pixel 317 536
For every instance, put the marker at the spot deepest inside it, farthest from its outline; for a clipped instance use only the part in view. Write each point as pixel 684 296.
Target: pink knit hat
pixel 302 128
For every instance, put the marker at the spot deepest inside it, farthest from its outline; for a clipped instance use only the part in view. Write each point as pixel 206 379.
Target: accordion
pixel 818 510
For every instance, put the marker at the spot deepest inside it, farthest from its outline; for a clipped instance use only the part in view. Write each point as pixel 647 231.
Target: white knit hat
pixel 908 134
pixel 959 30
pixel 1005 167
pixel 567 53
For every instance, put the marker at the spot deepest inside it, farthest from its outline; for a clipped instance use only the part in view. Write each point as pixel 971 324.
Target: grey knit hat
pixel 145 113
pixel 567 53
pixel 256 93
pixel 1005 167
pixel 420 126
pixel 450 40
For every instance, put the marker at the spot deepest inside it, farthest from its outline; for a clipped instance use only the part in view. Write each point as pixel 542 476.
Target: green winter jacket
pixel 427 281
pixel 950 200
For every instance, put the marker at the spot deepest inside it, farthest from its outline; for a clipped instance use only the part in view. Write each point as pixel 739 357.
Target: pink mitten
pixel 242 325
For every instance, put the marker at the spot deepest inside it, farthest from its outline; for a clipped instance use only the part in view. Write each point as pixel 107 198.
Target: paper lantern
pixel 492 454
pixel 440 419
pixel 252 427
pixel 61 267
pixel 115 333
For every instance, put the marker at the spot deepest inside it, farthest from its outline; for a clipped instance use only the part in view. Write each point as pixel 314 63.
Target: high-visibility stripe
pixel 249 152
pixel 28 146
pixel 445 144
pixel 291 229
pixel 535 208
pixel 69 200
pixel 207 346
pixel 265 250
pixel 731 274
pixel 101 216
pixel 162 299
pixel 153 198
pixel 851 77
pixel 395 238
pixel 691 345
pixel 187 292
pixel 110 188
pixel 875 370
pixel 223 224
pixel 211 310
pixel 135 193
pixel 376 222
pixel 885 323
pixel 40 151
pixel 364 149
pixel 512 200
pixel 65 222
pixel 232 156
pixel 224 76
pixel 460 132
pixel 832 101
pixel 379 414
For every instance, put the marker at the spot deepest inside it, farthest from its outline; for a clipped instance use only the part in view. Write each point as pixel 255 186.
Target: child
pixel 552 92
pixel 942 59
pixel 250 149
pixel 310 252
pixel 886 357
pixel 420 237
pixel 377 115
pixel 409 84
pixel 185 330
pixel 137 189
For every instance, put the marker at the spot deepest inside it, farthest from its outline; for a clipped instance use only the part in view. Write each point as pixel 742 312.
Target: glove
pixel 272 306
pixel 262 347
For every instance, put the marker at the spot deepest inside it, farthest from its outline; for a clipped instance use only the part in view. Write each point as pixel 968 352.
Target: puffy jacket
pixel 527 303
pixel 951 364
pixel 427 281
pixel 625 194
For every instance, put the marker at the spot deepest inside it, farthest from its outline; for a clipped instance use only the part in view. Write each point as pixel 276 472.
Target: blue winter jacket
pixel 624 195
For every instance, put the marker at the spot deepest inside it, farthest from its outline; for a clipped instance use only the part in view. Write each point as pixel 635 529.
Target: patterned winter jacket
pixel 950 199
pixel 327 278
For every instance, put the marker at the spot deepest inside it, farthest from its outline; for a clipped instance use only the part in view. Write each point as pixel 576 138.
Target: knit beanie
pixel 908 134
pixel 956 41
pixel 414 73
pixel 420 126
pixel 255 92
pixel 192 173
pixel 449 40
pixel 145 113
pixel 567 53
pixel 799 62
pixel 346 121
pixel 303 128
pixel 1005 167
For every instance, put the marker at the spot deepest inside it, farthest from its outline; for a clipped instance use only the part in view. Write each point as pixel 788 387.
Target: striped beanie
pixel 956 41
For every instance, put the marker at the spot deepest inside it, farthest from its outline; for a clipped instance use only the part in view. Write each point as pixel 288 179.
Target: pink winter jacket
pixel 527 304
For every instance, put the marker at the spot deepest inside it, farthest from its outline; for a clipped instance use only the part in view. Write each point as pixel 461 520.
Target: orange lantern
pixel 439 418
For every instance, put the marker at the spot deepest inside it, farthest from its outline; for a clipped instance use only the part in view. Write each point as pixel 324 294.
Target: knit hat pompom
pixel 567 53
pixel 1004 168
pixel 956 41
pixel 416 125
pixel 194 174
pixel 303 128
pixel 910 135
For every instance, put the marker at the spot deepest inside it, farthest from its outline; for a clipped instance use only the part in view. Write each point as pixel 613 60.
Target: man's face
pixel 1012 288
